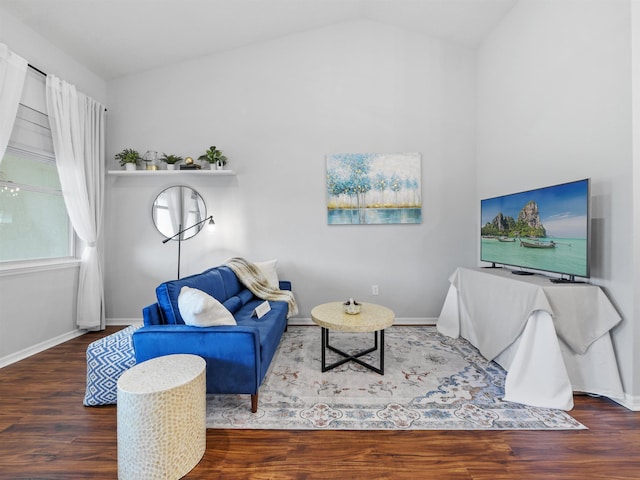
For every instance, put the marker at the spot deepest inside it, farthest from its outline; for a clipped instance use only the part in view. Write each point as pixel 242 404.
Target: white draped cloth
pixel 552 339
pixel 78 130
pixel 13 69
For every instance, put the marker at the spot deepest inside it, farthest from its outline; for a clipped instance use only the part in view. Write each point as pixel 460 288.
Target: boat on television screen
pixel 537 244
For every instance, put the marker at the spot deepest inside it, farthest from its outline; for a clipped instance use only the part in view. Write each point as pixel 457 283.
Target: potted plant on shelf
pixel 128 158
pixel 214 157
pixel 171 160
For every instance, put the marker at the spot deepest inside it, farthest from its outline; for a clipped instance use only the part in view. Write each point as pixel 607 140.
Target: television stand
pixel 525 318
pixel 571 279
pixel 521 272
pixel 493 265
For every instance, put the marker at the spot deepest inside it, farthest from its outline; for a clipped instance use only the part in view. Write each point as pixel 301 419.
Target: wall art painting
pixel 373 188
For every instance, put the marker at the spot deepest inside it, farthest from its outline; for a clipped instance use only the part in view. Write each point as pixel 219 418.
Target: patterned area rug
pixel 431 382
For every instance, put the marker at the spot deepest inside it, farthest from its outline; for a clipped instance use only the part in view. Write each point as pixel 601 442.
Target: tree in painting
pixel 373 188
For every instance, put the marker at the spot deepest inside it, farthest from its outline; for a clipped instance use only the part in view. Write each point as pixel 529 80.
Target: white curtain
pixel 174 205
pixel 13 69
pixel 78 130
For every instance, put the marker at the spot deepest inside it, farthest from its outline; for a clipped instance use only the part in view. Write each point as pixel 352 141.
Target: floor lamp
pixel 181 231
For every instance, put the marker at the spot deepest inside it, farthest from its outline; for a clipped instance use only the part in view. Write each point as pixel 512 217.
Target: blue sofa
pixel 237 356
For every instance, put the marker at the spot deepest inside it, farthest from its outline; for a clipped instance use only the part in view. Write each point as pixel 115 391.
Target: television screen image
pixel 544 229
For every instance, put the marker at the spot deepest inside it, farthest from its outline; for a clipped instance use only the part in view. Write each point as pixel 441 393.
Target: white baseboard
pixel 52 342
pixel 116 322
pixel 40 347
pixel 397 321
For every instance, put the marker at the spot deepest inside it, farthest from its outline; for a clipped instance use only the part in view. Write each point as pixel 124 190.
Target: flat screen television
pixel 545 229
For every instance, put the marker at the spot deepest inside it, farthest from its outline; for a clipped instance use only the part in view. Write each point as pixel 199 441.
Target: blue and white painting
pixel 373 188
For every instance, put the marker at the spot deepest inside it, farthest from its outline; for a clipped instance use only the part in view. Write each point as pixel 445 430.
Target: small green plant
pixel 213 155
pixel 171 159
pixel 128 155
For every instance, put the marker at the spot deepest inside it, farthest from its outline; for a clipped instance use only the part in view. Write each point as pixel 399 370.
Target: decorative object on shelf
pixel 189 164
pixel 128 158
pixel 150 160
pixel 214 157
pixel 171 160
pixel 181 173
pixel 351 307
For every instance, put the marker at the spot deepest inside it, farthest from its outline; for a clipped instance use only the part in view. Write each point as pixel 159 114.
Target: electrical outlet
pixel 375 290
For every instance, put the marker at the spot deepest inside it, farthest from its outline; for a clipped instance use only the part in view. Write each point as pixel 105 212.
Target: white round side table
pixel 162 417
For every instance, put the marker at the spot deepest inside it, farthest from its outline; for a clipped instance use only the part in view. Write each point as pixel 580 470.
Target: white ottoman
pixel 162 431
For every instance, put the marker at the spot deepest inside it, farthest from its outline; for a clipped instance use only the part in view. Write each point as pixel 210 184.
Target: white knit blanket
pixel 252 278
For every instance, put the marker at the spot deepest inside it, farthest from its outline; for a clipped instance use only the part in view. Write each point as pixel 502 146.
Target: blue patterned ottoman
pixel 107 359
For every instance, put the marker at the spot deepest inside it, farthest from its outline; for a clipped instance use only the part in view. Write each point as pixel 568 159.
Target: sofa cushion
pixel 231 283
pixel 236 302
pixel 200 309
pixel 270 272
pixel 210 281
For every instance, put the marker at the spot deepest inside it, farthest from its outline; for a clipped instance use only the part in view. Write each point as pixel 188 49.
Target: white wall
pixel 635 63
pixel 554 105
pixel 38 311
pixel 276 109
pixel 38 307
pixel 45 56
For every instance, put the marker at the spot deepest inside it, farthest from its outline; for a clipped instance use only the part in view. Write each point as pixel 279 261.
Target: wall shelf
pixel 169 173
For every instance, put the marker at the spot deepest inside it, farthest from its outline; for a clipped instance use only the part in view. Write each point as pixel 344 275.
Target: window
pixel 34 224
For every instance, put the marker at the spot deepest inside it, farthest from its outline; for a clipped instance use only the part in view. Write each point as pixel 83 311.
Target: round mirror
pixel 177 209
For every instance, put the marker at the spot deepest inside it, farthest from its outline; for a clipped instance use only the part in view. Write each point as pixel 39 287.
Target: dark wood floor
pixel 46 433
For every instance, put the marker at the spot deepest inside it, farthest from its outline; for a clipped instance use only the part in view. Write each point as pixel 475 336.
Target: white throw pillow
pixel 200 309
pixel 269 271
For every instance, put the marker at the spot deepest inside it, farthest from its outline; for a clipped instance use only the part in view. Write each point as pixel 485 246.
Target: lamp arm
pixel 188 228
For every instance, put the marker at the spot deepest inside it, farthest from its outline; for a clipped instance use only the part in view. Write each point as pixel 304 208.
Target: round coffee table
pixel 372 318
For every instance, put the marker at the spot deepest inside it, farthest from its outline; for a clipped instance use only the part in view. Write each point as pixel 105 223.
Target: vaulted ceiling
pixel 114 38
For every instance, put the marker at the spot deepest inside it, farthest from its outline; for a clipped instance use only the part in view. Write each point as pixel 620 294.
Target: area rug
pixel 431 382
